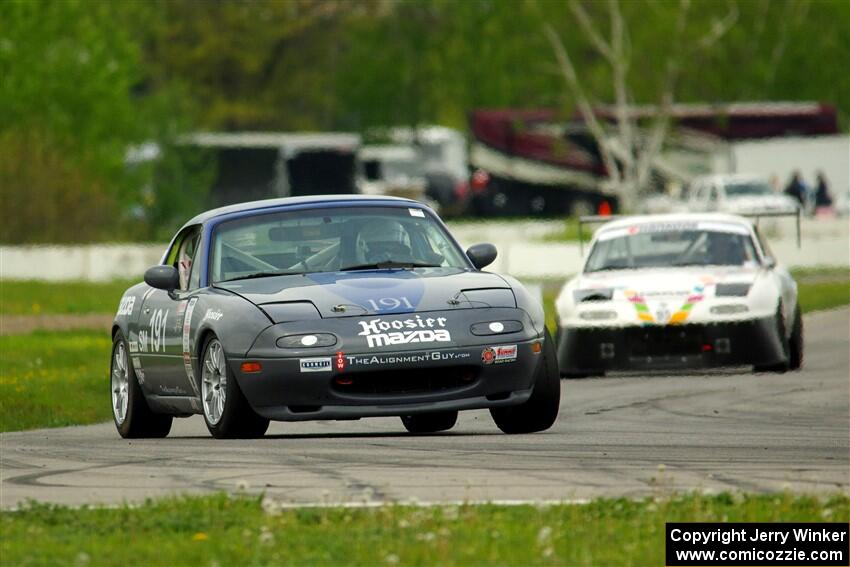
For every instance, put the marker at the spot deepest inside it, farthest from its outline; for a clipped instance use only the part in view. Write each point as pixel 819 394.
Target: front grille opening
pixel 410 381
pixel 499 396
pixel 304 409
pixel 665 341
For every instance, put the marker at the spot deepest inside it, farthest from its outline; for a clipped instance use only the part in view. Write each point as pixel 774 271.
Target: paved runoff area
pixel 616 436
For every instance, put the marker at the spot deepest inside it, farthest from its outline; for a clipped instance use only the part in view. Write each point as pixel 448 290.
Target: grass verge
pixel 54 379
pixel 35 297
pixel 569 232
pixel 224 530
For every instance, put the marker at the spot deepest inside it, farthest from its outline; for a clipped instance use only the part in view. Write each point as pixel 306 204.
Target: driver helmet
pixel 724 249
pixel 382 236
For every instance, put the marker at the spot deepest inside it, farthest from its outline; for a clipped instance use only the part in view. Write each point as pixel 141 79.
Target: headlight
pixel 597 315
pixel 311 340
pixel 496 328
pixel 729 309
pixel 732 289
pixel 602 294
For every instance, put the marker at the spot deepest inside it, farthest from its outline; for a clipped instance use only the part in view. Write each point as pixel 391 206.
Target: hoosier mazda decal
pixel 403 331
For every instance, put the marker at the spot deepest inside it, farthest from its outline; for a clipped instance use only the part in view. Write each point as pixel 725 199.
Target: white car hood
pixel 656 296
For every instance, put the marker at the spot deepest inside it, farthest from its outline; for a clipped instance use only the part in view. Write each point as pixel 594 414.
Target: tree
pixel 627 150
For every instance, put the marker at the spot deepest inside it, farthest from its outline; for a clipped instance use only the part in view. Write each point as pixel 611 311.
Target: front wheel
pixel 782 366
pixel 795 345
pixel 540 411
pixel 133 418
pixel 429 422
pixel 226 411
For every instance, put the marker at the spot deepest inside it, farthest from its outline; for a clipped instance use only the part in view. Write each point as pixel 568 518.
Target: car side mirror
pixel 163 277
pixel 770 262
pixel 481 255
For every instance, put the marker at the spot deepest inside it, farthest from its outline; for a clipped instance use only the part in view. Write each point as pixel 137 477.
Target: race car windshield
pixel 330 240
pixel 671 248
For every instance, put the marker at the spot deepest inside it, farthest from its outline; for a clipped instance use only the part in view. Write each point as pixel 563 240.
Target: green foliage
pixel 84 80
pixel 54 379
pixel 227 530
pixel 37 297
pixel 45 196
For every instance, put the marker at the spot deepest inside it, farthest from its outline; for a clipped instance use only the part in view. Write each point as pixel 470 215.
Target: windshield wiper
pixel 388 264
pixel 259 275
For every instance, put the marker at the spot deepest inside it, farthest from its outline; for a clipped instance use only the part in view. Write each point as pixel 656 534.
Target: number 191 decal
pixel 389 303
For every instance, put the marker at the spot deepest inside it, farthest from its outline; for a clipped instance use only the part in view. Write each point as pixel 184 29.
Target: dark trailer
pixel 260 165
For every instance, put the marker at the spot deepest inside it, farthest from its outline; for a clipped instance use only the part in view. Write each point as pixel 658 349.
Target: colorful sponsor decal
pixel 640 305
pixel 126 306
pixel 187 353
pixel 140 372
pixel 681 315
pixel 499 354
pixel 317 364
pixel 404 331
pixel 405 358
pixel 213 315
pixel 340 361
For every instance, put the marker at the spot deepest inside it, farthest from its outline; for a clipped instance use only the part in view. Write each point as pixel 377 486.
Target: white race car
pixel 679 291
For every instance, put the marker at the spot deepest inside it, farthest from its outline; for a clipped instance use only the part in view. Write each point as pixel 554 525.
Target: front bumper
pixel 353 379
pixel 657 347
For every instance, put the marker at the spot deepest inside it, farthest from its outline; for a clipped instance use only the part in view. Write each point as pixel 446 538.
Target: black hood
pixel 340 294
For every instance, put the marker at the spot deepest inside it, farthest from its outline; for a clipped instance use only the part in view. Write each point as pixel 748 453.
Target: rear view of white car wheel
pixel 226 411
pixel 133 418
pixel 540 411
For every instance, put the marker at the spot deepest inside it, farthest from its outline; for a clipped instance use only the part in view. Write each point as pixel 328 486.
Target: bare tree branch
pixel 587 25
pixel 569 73
pixel 662 119
pixel 784 33
pixel 719 28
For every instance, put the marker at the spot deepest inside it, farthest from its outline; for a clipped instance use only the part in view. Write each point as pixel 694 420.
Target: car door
pixel 161 323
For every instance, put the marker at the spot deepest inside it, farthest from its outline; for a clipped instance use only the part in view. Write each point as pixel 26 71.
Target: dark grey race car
pixel 328 308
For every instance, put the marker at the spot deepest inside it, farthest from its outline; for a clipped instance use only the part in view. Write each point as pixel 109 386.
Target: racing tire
pixel 429 422
pixel 779 367
pixel 795 346
pixel 130 411
pixel 540 411
pixel 227 413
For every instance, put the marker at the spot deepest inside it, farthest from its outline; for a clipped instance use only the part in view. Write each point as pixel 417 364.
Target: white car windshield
pixel 327 240
pixel 747 189
pixel 669 245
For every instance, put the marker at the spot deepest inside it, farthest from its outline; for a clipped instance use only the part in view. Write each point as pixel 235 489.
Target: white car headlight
pixel 729 309
pixel 597 315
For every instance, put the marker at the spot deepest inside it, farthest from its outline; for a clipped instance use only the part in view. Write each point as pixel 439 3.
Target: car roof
pixel 305 200
pixel 674 218
pixel 727 178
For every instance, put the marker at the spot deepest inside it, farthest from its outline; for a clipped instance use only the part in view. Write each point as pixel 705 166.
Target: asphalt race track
pixel 616 436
